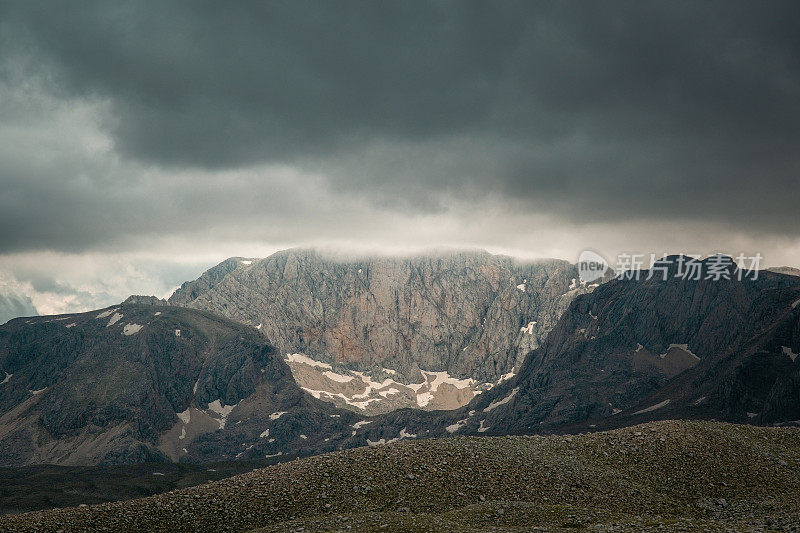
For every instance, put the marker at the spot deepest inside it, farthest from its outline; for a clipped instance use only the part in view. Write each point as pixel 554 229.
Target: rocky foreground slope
pixel 470 316
pixel 671 475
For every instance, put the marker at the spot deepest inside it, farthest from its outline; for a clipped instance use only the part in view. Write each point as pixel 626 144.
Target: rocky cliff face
pixel 471 315
pixel 636 350
pixel 138 299
pixel 149 383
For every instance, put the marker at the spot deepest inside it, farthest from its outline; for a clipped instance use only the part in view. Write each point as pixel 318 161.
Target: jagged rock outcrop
pixel 137 383
pixel 471 314
pixel 191 290
pixel 138 299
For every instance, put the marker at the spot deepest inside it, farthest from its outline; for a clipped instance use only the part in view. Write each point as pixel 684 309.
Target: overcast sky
pixel 142 142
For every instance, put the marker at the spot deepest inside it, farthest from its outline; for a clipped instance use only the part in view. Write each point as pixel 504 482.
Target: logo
pixel 591 266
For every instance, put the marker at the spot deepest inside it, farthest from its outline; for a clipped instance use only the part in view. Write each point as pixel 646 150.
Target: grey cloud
pixel 220 84
pixel 591 111
pixel 65 191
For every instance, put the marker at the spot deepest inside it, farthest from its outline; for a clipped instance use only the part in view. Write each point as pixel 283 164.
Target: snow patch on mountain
pixel 497 403
pixel 659 405
pixel 363 392
pixel 185 416
pixel 402 435
pixel 337 377
pixel 222 411
pixel 684 347
pixel 788 351
pixel 107 313
pixel 131 329
pixel 506 377
pixel 114 319
pixel 304 359
pixel 452 428
pixel 406 435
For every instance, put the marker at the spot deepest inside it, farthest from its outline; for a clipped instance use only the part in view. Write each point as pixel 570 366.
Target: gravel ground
pixel 683 475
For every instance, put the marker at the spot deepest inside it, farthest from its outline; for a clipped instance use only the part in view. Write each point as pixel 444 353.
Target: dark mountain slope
pixel 147 383
pixel 708 348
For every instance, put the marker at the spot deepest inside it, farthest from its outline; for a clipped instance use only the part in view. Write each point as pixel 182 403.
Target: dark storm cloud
pixel 228 83
pixel 589 110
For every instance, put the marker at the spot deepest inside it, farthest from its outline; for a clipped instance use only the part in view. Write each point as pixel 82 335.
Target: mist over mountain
pixel 13 305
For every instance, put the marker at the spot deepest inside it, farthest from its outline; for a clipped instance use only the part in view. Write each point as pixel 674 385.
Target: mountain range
pixel 146 381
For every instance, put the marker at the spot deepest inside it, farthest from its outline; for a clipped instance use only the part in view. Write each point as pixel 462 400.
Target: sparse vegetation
pixel 680 475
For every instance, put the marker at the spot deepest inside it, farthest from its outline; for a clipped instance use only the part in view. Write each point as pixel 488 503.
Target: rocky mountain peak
pixel 467 313
pixel 136 299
